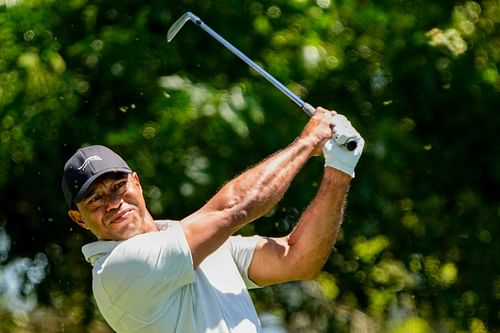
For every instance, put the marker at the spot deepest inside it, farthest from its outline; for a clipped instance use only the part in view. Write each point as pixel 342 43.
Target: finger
pixel 321 109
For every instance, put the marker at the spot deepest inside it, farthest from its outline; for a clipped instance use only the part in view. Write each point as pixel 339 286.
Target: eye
pixel 94 201
pixel 95 198
pixel 120 185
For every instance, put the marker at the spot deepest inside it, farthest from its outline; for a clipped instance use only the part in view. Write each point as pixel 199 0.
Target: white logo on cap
pixel 88 160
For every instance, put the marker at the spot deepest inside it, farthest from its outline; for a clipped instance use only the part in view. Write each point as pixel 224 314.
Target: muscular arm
pixel 253 193
pixel 302 253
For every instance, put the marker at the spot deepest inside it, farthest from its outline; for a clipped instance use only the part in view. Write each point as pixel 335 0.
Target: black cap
pixel 85 166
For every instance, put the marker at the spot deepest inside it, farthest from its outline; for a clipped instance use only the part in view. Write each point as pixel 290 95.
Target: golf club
pixel 350 144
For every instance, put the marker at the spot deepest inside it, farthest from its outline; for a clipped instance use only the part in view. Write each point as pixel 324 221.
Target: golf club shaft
pixel 350 144
pixel 306 107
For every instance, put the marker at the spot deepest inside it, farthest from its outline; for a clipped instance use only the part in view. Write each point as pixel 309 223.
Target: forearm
pixel 302 254
pixel 243 199
pixel 257 190
pixel 254 192
pixel 313 239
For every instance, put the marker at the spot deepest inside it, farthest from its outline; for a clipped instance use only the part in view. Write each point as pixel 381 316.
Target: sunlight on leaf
pixel 367 250
pixel 413 325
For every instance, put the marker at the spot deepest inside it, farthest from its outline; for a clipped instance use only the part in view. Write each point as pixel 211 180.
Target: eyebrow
pixel 114 176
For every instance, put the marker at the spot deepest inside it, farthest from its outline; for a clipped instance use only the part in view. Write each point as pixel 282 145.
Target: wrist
pixel 340 177
pixel 309 144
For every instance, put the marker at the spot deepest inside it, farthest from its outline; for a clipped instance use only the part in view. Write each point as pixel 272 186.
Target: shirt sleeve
pixel 141 273
pixel 242 250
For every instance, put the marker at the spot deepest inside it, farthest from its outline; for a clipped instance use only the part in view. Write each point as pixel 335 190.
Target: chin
pixel 126 232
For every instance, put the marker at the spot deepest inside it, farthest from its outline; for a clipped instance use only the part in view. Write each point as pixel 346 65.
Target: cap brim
pixel 86 186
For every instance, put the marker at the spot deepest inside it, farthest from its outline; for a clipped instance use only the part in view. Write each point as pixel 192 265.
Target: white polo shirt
pixel 147 284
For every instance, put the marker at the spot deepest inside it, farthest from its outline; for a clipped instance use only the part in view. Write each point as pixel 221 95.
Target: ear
pixel 137 182
pixel 77 218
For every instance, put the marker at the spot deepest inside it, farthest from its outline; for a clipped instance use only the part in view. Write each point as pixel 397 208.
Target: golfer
pixel 193 275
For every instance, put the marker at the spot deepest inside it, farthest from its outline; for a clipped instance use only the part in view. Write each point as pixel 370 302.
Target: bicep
pixel 205 232
pixel 273 262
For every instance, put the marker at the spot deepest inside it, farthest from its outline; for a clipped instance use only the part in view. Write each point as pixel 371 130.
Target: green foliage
pixel 419 79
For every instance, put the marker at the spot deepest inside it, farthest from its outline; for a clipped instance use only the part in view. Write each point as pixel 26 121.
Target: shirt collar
pixel 93 251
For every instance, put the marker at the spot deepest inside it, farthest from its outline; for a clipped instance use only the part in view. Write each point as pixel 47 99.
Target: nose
pixel 113 201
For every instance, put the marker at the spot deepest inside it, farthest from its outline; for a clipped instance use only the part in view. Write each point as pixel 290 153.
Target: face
pixel 114 208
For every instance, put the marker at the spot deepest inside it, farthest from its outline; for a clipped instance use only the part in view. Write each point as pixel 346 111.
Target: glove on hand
pixel 336 154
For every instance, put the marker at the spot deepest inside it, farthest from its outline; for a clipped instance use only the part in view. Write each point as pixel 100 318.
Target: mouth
pixel 121 216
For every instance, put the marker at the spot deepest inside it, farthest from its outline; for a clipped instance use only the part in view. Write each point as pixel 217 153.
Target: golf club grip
pixel 350 144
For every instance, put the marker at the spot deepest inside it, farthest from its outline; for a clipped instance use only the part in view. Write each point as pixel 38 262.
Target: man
pixel 192 275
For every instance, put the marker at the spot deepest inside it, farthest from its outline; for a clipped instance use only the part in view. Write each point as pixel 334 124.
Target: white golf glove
pixel 336 154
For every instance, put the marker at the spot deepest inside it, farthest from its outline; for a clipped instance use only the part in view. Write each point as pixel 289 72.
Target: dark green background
pixel 419 79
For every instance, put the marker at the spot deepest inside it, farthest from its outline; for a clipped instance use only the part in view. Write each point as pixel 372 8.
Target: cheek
pixel 141 202
pixel 136 198
pixel 92 220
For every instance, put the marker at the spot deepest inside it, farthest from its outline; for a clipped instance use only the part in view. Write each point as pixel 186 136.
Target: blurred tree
pixel 419 79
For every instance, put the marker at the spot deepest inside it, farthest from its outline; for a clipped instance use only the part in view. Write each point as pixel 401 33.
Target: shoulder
pixel 150 248
pixel 145 260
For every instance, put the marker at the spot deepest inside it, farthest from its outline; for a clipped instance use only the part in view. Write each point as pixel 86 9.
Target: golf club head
pixel 177 26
